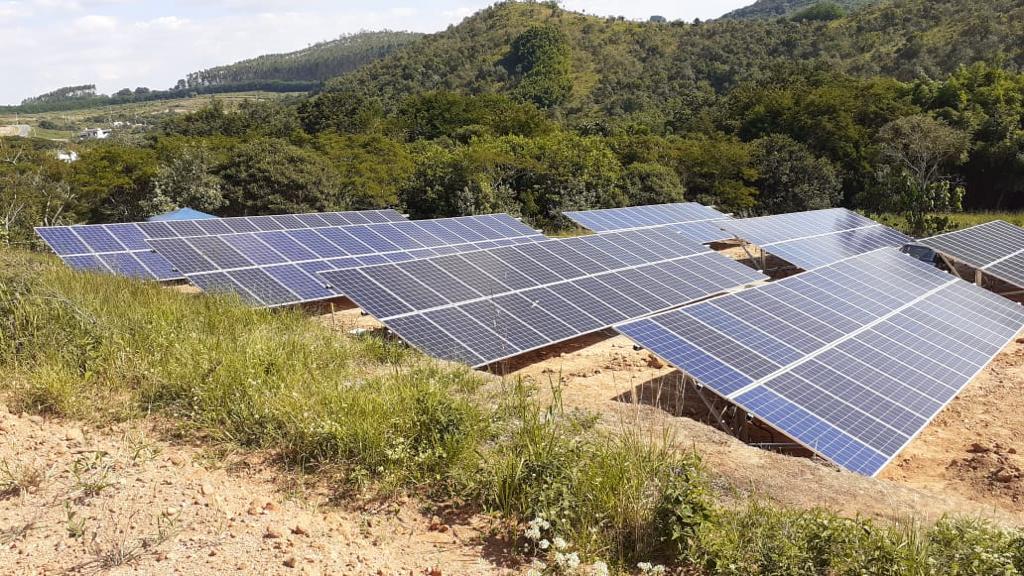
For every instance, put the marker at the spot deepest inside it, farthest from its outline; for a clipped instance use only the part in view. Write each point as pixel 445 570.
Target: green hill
pixel 619 67
pixel 313 64
pixel 786 8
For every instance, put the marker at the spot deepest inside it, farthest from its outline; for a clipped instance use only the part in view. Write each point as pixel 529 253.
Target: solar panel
pixel 852 360
pixel 279 267
pixel 996 247
pixel 481 307
pixel 816 238
pixel 692 220
pixel 122 249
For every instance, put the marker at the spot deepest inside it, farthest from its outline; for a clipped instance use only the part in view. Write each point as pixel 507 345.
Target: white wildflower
pixel 543 544
pixel 569 561
pixel 532 532
pixel 599 568
pixel 650 569
pixel 559 543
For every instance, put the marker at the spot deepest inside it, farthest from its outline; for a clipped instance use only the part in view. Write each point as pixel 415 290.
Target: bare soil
pixel 122 501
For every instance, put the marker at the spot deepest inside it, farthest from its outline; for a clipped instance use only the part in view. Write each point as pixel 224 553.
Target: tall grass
pixel 105 349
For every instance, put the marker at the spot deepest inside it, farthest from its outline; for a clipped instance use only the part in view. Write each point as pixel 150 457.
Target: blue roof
pixel 181 214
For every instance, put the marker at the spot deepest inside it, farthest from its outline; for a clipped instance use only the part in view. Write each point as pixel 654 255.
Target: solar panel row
pixel 995 247
pixel 279 267
pixel 852 360
pixel 123 249
pixel 815 238
pixel 485 306
pixel 617 219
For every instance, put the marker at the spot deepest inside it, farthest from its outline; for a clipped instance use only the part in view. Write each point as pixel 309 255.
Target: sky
pixel 47 44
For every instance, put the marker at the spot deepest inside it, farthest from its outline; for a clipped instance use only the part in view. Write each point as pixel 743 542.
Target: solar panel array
pixel 816 238
pixel 694 221
pixel 852 360
pixel 996 248
pixel 485 306
pixel 123 249
pixel 278 268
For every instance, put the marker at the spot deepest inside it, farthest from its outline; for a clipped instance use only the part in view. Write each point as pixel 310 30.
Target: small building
pixel 94 134
pixel 181 214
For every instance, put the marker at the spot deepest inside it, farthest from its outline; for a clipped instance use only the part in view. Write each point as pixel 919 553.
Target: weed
pixel 91 475
pixel 20 478
pixel 122 548
pixel 73 523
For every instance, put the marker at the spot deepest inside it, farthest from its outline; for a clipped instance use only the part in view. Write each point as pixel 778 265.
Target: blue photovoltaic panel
pixel 135 257
pixel 996 248
pixel 694 221
pixel 289 260
pixel 852 359
pixel 485 306
pixel 817 251
pixel 816 238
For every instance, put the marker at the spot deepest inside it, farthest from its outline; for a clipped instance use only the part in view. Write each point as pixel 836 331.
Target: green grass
pixel 956 220
pixel 378 418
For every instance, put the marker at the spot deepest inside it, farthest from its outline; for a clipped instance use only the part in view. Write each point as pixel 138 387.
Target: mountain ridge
pixel 786 8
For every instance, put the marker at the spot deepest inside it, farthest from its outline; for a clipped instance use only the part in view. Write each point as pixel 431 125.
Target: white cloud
pixel 164 23
pixel 95 23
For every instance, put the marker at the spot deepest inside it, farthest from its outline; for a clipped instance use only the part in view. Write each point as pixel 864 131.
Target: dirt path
pixel 121 502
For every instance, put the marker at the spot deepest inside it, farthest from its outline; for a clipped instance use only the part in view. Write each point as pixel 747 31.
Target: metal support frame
pixel 753 261
pixel 708 403
pixel 951 264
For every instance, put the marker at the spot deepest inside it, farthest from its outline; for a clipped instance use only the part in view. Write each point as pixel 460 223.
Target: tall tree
pixel 791 179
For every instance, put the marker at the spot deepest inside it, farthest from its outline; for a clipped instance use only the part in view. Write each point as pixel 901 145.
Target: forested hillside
pixel 317 63
pixel 787 8
pixel 910 107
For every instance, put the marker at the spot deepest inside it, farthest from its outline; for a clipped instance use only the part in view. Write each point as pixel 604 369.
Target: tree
pixel 185 179
pixel 110 180
pixel 820 12
pixel 371 169
pixel 922 147
pixel 791 179
pixel 271 176
pixel 915 154
pixel 344 111
pixel 650 183
pixel 716 170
